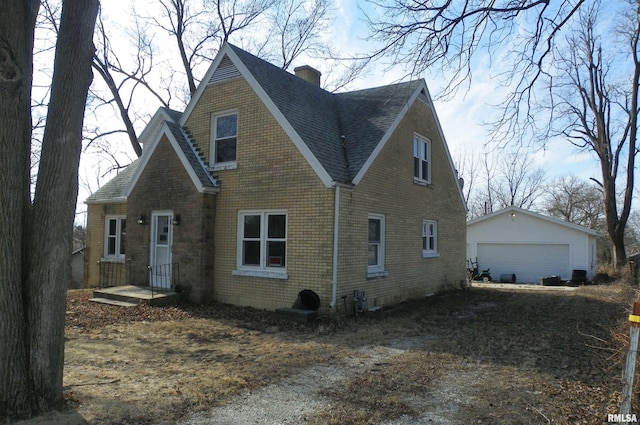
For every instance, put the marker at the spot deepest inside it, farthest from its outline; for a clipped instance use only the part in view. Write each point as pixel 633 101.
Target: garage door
pixel 529 262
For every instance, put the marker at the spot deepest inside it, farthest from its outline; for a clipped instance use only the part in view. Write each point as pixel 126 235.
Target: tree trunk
pixel 51 227
pixel 35 242
pixel 17 24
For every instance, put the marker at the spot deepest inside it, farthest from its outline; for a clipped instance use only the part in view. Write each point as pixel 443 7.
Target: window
pixel 429 238
pixel 115 236
pixel 375 252
pixel 225 133
pixel 421 159
pixel 262 243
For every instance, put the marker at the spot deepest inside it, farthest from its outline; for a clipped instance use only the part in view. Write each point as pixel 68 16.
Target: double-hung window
pixel 262 243
pixel 376 242
pixel 421 159
pixel 429 238
pixel 224 139
pixel 115 237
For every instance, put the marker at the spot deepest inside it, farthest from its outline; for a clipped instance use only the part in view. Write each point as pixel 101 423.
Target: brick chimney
pixel 309 74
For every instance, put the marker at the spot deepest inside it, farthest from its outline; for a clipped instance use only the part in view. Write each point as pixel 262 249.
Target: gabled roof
pixel 516 210
pixel 163 123
pixel 186 152
pixel 338 134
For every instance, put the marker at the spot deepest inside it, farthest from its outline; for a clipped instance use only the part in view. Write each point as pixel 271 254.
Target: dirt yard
pixel 483 356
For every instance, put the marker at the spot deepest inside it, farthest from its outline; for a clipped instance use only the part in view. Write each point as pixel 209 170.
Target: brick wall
pixel 96 214
pixel 388 189
pixel 164 185
pixel 270 174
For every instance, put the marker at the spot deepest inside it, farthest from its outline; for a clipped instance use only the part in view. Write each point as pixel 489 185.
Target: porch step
pixel 136 295
pixel 112 302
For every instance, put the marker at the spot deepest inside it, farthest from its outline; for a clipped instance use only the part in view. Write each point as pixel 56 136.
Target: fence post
pixel 630 366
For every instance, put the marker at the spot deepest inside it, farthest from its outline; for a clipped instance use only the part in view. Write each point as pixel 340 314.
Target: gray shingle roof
pixel 194 159
pixel 321 118
pixel 366 116
pixel 115 189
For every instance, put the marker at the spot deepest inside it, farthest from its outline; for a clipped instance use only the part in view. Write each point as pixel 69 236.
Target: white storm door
pixel 161 239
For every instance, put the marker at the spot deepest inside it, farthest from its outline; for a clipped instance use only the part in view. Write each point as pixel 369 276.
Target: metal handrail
pixel 111 273
pixel 168 276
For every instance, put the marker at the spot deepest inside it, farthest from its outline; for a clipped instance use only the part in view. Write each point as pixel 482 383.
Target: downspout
pixel 336 234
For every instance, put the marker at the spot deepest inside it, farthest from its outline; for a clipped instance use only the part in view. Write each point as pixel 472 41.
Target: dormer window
pixel 421 160
pixel 224 139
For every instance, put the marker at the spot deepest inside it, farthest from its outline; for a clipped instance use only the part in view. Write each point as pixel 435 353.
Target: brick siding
pixel 388 188
pixel 96 214
pixel 271 174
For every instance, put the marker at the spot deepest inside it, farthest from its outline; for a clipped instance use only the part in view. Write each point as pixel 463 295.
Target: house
pixel 267 185
pixel 77 269
pixel 530 245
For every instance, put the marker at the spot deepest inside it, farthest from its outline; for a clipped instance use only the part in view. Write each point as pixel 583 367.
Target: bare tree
pixel 122 83
pixel 195 26
pixel 298 26
pixel 598 110
pixel 467 171
pixel 424 35
pixel 542 50
pixel 503 179
pixel 520 184
pixel 35 248
pixel 181 21
pixel 575 201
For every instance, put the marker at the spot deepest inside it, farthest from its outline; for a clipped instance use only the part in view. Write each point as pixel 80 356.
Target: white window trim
pixel 430 253
pixel 118 256
pixel 423 141
pixel 263 270
pixel 377 270
pixel 227 165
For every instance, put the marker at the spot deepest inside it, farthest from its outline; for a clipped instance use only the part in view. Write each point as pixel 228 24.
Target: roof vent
pixel 309 74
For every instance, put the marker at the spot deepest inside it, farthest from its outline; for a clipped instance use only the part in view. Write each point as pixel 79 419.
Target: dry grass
pixel 160 371
pixel 482 356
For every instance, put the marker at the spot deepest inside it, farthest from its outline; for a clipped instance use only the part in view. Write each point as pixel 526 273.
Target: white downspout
pixel 336 234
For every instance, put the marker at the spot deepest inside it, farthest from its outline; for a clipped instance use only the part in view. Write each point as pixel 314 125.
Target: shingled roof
pixel 340 131
pixel 114 190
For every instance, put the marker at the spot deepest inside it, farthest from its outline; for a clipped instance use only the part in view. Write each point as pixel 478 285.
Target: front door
pixel 161 238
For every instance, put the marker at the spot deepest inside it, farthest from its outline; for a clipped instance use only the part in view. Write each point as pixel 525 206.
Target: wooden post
pixel 629 369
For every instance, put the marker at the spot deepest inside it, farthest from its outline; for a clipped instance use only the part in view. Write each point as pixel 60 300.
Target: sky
pixel 461 116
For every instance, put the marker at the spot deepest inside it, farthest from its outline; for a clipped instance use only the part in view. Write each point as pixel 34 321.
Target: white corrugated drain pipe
pixel 336 234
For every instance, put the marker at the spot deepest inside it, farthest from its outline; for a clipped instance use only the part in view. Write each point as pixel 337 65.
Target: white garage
pixel 530 245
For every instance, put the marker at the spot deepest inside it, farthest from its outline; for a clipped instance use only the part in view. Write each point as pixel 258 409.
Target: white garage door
pixel 529 262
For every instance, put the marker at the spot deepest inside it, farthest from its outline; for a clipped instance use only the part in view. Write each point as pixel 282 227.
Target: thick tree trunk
pixel 51 228
pixel 35 247
pixel 17 23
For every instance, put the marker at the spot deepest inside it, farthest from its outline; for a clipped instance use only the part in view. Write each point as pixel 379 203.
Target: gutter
pixel 336 235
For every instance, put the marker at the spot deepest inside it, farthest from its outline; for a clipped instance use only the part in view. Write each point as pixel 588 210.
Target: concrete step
pixel 112 302
pixel 136 295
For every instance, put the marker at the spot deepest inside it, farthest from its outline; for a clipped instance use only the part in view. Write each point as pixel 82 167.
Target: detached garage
pixel 530 245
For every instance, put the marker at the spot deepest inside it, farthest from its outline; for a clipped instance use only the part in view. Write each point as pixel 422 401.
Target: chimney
pixel 309 74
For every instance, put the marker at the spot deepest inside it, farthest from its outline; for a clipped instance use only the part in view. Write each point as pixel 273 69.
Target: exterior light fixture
pixel 141 219
pixel 176 220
